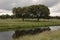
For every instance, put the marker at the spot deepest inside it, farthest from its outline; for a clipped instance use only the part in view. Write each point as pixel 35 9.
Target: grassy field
pixel 51 35
pixel 11 24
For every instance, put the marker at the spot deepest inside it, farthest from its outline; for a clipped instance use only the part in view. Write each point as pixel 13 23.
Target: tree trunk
pixel 38 19
pixel 22 19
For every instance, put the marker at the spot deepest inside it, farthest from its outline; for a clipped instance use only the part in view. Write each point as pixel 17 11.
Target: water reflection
pixel 34 31
pixel 7 35
pixel 53 28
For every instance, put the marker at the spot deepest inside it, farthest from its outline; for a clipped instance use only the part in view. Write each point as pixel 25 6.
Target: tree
pixel 38 11
pixel 17 12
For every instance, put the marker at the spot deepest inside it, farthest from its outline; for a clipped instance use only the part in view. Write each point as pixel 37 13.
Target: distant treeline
pixel 13 17
pixel 6 16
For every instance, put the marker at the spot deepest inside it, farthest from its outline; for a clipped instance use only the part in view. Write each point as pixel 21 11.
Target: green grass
pixel 13 24
pixel 51 35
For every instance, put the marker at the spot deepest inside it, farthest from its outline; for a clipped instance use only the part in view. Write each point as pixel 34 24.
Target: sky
pixel 7 5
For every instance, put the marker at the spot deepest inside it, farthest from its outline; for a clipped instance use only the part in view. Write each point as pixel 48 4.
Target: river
pixel 7 35
pixel 53 28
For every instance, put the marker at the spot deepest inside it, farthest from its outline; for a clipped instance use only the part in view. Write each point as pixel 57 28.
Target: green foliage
pixel 4 16
pixel 17 12
pixel 38 11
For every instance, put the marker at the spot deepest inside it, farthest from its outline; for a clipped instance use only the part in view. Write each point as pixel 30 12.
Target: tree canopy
pixel 35 11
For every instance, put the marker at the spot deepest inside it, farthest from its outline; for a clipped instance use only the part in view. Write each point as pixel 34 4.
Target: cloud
pixel 9 4
pixel 4 12
pixel 49 3
pixel 52 4
pixel 55 10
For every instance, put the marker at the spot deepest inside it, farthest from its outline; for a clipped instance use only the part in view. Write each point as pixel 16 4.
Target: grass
pixel 13 24
pixel 51 35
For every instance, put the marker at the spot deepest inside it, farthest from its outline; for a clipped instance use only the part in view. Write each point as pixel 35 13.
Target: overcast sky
pixel 6 5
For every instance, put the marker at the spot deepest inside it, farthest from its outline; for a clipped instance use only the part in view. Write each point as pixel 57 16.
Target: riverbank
pixel 13 24
pixel 48 35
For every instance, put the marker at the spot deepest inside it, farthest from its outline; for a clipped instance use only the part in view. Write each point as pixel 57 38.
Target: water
pixel 53 28
pixel 7 35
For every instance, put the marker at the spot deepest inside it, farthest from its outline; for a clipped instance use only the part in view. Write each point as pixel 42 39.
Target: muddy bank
pixel 19 33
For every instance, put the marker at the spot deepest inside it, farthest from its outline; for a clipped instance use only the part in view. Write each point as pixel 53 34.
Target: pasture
pixel 13 24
